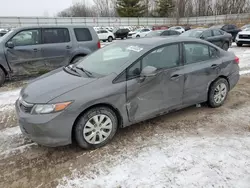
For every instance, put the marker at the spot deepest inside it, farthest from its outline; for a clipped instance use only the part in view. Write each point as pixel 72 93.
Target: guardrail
pixel 118 21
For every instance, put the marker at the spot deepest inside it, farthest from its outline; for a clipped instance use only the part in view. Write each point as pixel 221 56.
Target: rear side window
pixel 82 34
pixel 196 52
pixel 55 35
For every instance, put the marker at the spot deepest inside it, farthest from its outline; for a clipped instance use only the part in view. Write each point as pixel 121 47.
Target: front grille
pixel 25 107
pixel 244 36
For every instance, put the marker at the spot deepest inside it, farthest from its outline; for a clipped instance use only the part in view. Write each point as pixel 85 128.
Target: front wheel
pixel 218 93
pixel 96 128
pixel 138 36
pixel 239 44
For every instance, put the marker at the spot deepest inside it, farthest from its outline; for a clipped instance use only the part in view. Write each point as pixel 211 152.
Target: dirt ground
pixel 25 164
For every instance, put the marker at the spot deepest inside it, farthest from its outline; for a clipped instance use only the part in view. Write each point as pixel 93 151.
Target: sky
pixel 34 7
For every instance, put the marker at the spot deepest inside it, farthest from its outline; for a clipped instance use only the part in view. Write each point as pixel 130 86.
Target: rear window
pixel 83 34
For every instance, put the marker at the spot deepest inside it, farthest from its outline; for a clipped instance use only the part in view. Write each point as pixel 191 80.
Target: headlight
pixel 50 108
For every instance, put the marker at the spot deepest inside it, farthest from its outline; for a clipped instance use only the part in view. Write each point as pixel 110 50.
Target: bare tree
pixel 105 8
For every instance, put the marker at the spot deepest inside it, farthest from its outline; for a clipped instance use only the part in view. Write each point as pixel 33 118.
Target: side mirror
pixel 203 38
pixel 10 44
pixel 148 71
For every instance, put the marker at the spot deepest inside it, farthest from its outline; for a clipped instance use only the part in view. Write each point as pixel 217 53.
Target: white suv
pixel 105 35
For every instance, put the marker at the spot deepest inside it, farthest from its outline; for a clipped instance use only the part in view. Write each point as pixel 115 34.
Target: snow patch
pixel 244 72
pixel 9 97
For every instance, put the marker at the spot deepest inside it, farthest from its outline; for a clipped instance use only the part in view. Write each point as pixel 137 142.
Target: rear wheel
pixel 225 46
pixel 239 44
pixel 218 93
pixel 110 39
pixel 2 77
pixel 138 36
pixel 96 128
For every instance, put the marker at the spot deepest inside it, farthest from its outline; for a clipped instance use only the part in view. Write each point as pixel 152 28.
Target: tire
pixel 2 77
pixel 239 44
pixel 104 41
pixel 225 46
pixel 138 36
pixel 122 38
pixel 76 59
pixel 110 39
pixel 220 85
pixel 86 123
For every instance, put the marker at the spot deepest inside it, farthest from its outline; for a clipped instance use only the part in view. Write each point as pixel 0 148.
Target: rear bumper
pixel 233 79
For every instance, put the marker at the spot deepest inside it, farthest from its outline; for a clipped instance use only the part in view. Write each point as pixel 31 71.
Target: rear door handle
pixel 214 66
pixel 35 50
pixel 175 76
pixel 68 47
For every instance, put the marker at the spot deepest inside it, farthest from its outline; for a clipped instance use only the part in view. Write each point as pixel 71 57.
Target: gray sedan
pixel 122 84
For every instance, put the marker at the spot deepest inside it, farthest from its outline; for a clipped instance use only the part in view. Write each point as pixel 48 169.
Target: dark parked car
pixel 33 50
pixel 215 36
pixel 124 83
pixel 229 28
pixel 122 33
pixel 162 33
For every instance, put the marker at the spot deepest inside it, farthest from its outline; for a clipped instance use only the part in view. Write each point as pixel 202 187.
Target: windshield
pixel 110 58
pixel 247 29
pixel 192 33
pixel 154 33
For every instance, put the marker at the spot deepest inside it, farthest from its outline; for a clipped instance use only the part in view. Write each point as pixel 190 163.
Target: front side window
pixel 166 33
pixel 165 57
pixel 27 37
pixel 217 33
pixel 104 31
pixel 196 52
pixel 55 35
pixel 207 33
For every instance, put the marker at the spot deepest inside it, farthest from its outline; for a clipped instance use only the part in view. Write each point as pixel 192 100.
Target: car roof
pixel 154 42
pixel 54 26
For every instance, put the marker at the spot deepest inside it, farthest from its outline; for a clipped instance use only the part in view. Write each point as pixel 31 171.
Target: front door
pixel 150 96
pixel 202 66
pixel 56 48
pixel 25 58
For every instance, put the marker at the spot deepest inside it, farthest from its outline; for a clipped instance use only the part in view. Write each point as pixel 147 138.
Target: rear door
pixel 208 36
pixel 25 57
pixel 202 66
pixel 56 47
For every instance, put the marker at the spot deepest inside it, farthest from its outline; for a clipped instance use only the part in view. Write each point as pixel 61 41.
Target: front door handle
pixel 175 76
pixel 35 50
pixel 68 47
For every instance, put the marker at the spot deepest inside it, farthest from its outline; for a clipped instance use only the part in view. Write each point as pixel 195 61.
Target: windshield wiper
pixel 89 74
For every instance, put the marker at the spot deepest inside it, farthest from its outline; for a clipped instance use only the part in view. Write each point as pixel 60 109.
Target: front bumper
pixel 242 41
pixel 48 129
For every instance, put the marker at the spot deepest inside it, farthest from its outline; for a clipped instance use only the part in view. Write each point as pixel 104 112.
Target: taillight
pixel 99 44
pixel 237 60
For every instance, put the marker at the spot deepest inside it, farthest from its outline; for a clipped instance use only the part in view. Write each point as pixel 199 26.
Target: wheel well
pixel 76 56
pixel 1 67
pixel 115 110
pixel 217 79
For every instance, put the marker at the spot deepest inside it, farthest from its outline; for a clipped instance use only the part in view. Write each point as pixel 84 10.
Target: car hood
pixel 244 33
pixel 52 85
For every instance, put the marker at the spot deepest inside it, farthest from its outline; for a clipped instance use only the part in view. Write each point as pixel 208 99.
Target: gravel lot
pixel 195 147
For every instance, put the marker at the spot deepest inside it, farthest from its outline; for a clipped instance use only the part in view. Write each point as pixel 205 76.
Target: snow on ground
pixel 9 97
pixel 211 158
pixel 176 162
